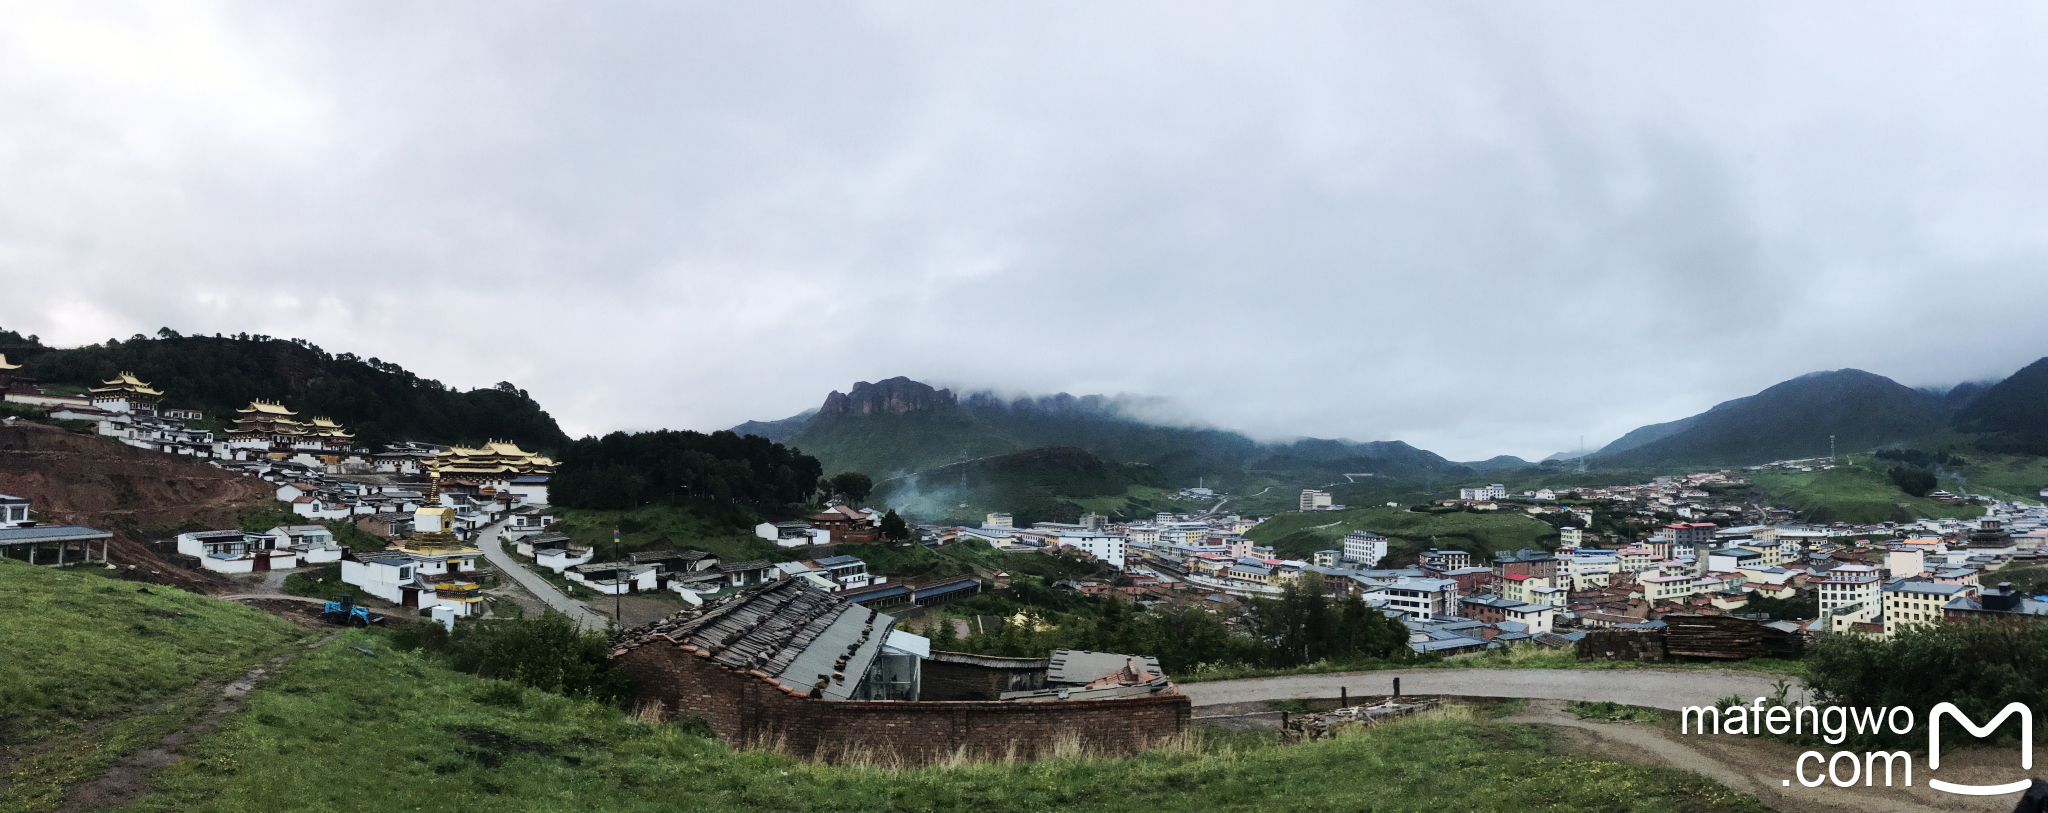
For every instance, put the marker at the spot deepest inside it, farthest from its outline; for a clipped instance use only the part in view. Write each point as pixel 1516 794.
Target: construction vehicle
pixel 347 611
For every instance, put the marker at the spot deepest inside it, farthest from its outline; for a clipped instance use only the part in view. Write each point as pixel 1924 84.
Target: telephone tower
pixel 1831 448
pixel 1582 454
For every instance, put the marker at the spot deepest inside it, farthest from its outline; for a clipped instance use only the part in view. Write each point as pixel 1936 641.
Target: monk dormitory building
pixel 793 668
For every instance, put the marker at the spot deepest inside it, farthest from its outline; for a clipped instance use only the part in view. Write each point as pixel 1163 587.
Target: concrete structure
pixel 793 668
pixel 1365 548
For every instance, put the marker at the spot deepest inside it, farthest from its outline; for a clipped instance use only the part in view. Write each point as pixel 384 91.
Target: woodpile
pixel 1622 645
pixel 1725 638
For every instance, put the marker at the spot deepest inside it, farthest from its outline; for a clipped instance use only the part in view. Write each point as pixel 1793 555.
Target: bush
pixel 1913 480
pixel 1978 665
pixel 547 653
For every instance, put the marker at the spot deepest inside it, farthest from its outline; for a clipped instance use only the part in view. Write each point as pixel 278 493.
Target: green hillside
pixel 1298 534
pixel 900 430
pixel 377 400
pixel 1793 419
pixel 398 731
pixel 95 667
pixel 1039 485
pixel 2012 414
pixel 1857 491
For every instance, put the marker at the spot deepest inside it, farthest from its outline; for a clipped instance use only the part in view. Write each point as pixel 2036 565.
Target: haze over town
pixel 1481 230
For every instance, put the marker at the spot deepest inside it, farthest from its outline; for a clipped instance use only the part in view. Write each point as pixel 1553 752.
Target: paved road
pixel 1655 688
pixel 493 547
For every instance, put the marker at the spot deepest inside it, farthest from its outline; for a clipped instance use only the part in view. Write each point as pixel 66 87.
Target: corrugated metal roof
pixel 50 533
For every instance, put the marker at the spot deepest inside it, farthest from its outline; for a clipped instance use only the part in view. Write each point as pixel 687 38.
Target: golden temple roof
pixel 5 366
pixel 494 456
pixel 125 382
pixel 266 407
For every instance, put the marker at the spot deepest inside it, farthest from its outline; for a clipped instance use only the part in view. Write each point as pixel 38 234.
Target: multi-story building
pixel 1909 604
pixel 1666 588
pixel 1446 559
pixel 1495 491
pixel 1525 562
pixel 1365 548
pixel 1422 599
pixel 1315 500
pixel 1107 548
pixel 1847 585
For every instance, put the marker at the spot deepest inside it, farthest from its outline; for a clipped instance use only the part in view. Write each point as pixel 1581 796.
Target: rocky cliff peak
pixel 894 396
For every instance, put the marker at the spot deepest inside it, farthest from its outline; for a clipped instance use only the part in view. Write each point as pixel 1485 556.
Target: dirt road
pixel 1651 688
pixel 1765 769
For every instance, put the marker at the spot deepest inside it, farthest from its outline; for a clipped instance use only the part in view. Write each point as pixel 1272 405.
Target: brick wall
pixel 750 711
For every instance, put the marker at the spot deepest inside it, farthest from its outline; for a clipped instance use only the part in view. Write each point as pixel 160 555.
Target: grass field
pixel 94 667
pixel 2007 476
pixel 647 524
pixel 340 730
pixel 1299 534
pixel 1857 492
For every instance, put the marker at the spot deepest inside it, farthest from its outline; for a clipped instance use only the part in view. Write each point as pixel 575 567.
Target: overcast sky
pixel 1482 228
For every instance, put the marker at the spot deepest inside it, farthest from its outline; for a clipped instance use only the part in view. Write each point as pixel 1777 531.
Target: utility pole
pixel 618 601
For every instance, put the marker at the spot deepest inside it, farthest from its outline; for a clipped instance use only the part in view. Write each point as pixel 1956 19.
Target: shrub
pixel 547 653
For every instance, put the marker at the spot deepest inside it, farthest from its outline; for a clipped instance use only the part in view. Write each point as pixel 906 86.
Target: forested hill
pixel 899 427
pixel 1792 419
pixel 377 400
pixel 2012 414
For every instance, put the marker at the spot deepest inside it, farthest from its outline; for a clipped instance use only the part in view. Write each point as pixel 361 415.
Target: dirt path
pixel 128 780
pixel 1651 688
pixel 1763 768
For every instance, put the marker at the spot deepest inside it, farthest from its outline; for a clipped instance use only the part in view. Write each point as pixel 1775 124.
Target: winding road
pixel 491 542
pixel 1654 688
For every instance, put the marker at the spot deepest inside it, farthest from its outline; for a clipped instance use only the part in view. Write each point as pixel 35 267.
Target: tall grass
pixel 394 731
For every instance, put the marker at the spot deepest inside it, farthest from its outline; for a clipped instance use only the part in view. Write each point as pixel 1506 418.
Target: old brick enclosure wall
pixel 746 710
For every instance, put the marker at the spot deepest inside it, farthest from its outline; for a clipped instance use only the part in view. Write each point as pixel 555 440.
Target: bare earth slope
pixel 102 483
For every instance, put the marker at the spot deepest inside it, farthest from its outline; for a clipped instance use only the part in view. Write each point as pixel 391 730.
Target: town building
pixel 486 470
pixel 1107 548
pixel 844 524
pixel 1909 604
pixel 125 393
pixel 1315 500
pixel 22 538
pixel 1365 548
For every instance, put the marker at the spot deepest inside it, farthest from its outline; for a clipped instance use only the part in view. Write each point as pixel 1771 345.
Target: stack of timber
pixel 1725 638
pixel 1622 645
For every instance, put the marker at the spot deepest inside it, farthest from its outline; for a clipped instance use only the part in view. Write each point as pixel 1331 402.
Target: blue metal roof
pixel 949 588
pixel 887 592
pixel 50 533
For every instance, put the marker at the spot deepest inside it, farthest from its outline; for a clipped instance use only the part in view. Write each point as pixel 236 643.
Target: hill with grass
pixel 2012 415
pixel 1789 420
pixel 1050 484
pixel 96 667
pixel 1299 534
pixel 905 433
pixel 377 400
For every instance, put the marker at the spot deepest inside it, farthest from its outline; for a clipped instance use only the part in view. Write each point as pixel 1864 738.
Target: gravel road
pixel 1654 688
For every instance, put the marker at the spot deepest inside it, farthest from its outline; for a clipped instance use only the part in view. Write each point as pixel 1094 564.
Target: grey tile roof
pixel 1082 666
pixel 793 632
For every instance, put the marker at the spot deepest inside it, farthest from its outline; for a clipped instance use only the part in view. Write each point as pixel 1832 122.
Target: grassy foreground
pixel 92 668
pixel 340 730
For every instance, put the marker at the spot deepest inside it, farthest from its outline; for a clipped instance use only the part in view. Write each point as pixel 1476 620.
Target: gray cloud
pixel 1483 229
